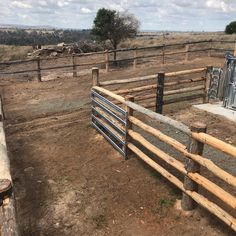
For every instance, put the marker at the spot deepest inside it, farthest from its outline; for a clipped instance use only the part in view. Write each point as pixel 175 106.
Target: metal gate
pixel 110 121
pixel 215 81
pixel 230 82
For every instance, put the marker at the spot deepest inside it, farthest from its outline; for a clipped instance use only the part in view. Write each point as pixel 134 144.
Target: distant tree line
pixel 23 37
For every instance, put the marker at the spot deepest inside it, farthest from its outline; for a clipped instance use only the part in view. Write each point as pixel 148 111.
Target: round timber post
pixel 74 65
pixel 135 59
pixel 39 69
pixel 194 147
pixel 160 92
pixel 107 60
pixel 95 76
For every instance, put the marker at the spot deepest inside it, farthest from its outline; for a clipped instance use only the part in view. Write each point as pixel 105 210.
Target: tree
pixel 114 26
pixel 231 28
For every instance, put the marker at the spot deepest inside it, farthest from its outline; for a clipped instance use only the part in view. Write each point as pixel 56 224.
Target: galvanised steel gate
pixel 110 121
pixel 230 82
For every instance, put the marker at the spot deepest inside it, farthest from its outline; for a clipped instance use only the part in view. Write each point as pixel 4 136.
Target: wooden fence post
pixel 39 70
pixel 163 54
pixel 186 52
pixel 194 147
pixel 135 59
pixel 211 46
pixel 207 84
pixel 235 49
pixel 107 60
pixel 95 76
pixel 160 92
pixel 2 114
pixel 130 112
pixel 74 65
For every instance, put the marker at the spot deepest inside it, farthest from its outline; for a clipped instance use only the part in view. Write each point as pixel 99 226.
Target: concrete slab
pixel 218 109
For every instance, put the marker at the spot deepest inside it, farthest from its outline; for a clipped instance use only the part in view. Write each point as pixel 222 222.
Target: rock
pixel 61 45
pixel 29 169
pixel 57 225
pixel 54 54
pixel 51 181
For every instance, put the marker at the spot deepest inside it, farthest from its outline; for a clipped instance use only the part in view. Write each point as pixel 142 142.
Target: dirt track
pixel 70 181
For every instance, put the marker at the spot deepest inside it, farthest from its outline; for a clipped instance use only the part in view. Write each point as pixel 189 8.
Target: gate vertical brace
pixel 129 112
pixel 160 92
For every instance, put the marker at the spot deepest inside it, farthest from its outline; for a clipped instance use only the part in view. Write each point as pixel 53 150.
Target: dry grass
pixel 20 52
pixel 174 38
pixel 11 53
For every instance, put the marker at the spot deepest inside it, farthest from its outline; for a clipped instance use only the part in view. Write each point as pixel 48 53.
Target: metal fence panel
pixel 110 121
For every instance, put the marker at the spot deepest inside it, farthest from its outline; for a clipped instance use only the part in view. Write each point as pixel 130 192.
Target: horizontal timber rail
pixel 151 77
pixel 192 155
pixel 164 92
pixel 165 51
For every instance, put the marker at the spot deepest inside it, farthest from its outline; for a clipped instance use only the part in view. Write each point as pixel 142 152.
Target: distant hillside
pixel 15 26
pixel 23 37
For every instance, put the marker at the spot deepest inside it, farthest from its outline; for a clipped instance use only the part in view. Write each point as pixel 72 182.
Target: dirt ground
pixel 70 181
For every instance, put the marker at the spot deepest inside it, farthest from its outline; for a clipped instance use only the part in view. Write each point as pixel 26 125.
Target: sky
pixel 178 15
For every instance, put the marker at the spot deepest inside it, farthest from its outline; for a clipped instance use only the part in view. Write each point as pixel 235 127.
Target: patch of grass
pixel 100 221
pixel 177 217
pixel 156 175
pixel 89 125
pixel 175 192
pixel 163 205
pixel 11 53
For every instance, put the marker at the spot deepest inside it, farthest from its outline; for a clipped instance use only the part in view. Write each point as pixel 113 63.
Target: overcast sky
pixel 201 15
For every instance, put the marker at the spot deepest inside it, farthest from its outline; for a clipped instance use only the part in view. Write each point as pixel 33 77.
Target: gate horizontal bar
pixel 108 139
pixel 117 108
pixel 108 111
pixel 108 130
pixel 119 130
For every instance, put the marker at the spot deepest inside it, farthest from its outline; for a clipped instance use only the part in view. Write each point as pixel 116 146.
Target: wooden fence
pixel 189 166
pixel 161 92
pixel 137 56
pixel 8 225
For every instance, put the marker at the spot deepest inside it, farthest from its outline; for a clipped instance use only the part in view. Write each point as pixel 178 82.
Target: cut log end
pixel 198 127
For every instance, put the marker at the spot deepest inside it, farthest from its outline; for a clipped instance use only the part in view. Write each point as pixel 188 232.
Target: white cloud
pixel 153 14
pixel 62 3
pixel 21 4
pixel 43 3
pixel 221 5
pixel 23 16
pixel 85 10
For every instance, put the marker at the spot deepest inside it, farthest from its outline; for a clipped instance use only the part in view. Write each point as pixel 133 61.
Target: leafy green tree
pixel 231 28
pixel 114 26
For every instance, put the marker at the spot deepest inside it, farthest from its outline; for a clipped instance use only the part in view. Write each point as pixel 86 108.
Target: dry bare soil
pixel 70 181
